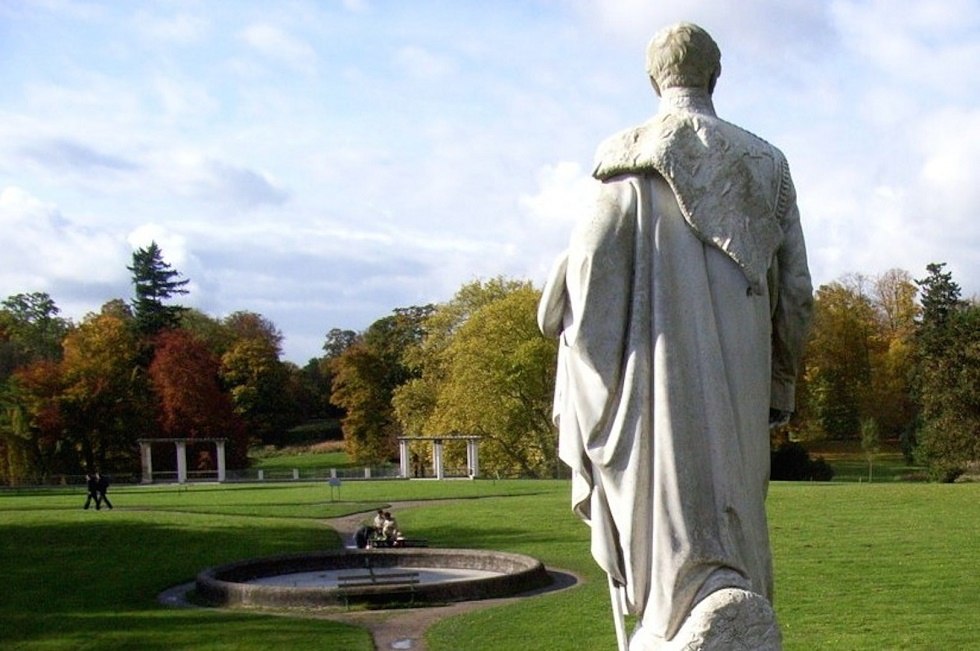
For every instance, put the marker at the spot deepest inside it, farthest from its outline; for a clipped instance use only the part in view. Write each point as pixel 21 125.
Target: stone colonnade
pixel 472 454
pixel 146 457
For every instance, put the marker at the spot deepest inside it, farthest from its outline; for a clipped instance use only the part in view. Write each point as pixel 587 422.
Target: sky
pixel 325 162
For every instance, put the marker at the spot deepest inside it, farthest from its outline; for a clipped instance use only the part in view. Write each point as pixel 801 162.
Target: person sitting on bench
pixel 390 528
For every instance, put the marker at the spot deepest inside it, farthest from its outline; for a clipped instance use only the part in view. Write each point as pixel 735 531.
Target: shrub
pixel 791 462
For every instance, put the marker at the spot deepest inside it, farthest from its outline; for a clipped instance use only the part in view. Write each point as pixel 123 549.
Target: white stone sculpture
pixel 682 305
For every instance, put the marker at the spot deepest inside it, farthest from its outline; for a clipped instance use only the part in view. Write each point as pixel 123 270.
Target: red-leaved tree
pixel 192 404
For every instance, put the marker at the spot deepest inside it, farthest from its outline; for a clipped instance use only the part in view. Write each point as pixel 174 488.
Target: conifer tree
pixel 155 281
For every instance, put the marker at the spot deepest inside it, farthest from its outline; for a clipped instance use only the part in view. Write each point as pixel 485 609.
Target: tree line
pixel 892 357
pixel 888 357
pixel 75 397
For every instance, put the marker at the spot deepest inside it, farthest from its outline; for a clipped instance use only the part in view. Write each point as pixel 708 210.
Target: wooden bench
pixel 391 581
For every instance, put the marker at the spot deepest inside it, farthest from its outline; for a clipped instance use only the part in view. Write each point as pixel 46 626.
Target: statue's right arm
pixel 553 308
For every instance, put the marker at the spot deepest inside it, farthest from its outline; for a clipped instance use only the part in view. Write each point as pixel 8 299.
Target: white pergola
pixel 146 457
pixel 472 454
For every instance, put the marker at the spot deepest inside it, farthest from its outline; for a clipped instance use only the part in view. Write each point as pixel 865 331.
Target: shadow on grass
pixel 86 583
pixel 178 629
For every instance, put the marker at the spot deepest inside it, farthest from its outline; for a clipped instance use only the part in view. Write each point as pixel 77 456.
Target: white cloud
pixel 929 46
pixel 43 251
pixel 420 63
pixel 565 194
pixel 184 99
pixel 276 44
pixel 950 144
pixel 181 28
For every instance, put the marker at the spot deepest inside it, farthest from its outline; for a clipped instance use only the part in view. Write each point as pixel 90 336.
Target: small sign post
pixel 334 484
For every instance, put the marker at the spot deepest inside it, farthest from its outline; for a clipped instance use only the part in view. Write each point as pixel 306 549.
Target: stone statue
pixel 682 305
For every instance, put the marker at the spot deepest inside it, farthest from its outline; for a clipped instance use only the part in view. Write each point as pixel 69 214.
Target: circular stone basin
pixel 376 576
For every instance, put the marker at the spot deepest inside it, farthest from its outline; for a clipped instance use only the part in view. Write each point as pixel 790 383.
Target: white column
pixel 220 446
pixel 472 457
pixel 403 458
pixel 146 461
pixel 437 458
pixel 181 462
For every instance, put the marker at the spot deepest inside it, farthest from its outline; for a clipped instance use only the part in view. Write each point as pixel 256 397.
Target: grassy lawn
pixel 302 461
pixel 315 456
pixel 850 463
pixel 858 566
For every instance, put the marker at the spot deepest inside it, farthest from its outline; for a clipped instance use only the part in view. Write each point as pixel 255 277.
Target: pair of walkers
pixel 98 486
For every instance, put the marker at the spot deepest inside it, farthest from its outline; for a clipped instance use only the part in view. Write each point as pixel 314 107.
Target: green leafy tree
pixel 337 341
pixel 207 329
pixel 415 400
pixel 155 281
pixel 262 387
pixel 498 384
pixel 259 384
pixel 30 330
pixel 947 377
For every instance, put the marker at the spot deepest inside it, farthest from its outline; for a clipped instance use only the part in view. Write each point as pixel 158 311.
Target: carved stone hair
pixel 683 55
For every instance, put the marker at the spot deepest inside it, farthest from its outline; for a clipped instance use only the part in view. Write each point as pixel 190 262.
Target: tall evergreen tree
pixel 155 281
pixel 947 377
pixel 940 296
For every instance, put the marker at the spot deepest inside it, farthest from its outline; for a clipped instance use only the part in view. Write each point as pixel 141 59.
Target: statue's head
pixel 683 55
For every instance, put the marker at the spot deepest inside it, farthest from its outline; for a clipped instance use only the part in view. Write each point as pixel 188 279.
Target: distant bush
pixel 791 462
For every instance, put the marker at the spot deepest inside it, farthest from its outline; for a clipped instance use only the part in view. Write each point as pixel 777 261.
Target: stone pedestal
pixel 726 620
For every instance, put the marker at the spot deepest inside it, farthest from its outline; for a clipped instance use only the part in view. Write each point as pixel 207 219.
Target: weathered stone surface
pixel 681 306
pixel 726 620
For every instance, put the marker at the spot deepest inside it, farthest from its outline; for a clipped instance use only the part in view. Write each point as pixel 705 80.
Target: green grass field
pixel 858 566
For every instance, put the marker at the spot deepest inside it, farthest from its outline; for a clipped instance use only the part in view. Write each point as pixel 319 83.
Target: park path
pixel 404 629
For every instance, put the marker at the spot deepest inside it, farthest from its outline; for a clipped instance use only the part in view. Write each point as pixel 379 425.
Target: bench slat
pixel 387 579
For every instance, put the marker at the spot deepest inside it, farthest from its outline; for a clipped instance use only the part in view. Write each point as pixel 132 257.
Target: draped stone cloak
pixel 682 305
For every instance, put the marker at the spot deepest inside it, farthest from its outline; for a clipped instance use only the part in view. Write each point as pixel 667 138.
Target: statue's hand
pixel 778 418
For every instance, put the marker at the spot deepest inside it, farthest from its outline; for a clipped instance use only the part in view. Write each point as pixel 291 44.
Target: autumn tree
pixel 155 281
pixel 365 376
pixel 32 426
pixel 890 403
pixel 191 402
pixel 838 358
pixel 105 397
